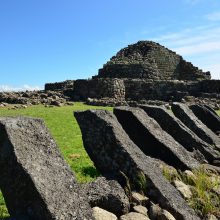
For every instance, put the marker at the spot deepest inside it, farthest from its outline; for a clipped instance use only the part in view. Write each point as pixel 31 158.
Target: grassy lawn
pixel 66 132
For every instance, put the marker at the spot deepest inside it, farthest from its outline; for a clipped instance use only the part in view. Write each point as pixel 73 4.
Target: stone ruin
pixel 144 72
pixel 141 72
pixel 129 146
pixel 150 60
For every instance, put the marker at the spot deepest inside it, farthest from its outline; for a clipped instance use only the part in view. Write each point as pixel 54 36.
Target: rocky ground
pixel 27 98
pixel 213 103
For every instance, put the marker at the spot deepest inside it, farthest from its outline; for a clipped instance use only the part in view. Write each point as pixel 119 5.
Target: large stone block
pixel 113 153
pixel 210 119
pixel 183 112
pixel 181 132
pixel 36 182
pixel 107 194
pixel 147 134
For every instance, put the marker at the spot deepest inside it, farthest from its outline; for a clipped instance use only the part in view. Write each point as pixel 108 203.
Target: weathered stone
pixel 108 195
pixel 35 180
pixel 180 132
pixel 155 211
pixel 211 120
pixel 101 214
pixel 147 59
pixel 183 189
pixel 134 216
pixel 191 121
pixel 211 217
pixel 68 84
pixel 165 215
pixel 114 153
pixel 139 199
pixel 141 209
pixel 146 133
pixel 189 174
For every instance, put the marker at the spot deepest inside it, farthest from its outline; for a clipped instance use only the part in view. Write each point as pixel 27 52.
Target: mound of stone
pixel 150 60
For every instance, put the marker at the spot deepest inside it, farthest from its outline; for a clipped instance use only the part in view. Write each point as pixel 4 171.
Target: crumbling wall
pixel 150 60
pixel 99 88
pixel 68 84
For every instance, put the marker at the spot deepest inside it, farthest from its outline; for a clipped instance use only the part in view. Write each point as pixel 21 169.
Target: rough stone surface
pixel 211 217
pixel 134 216
pixel 155 211
pixel 139 199
pixel 183 189
pixel 147 59
pixel 101 214
pixel 68 84
pixel 191 121
pixel 34 97
pixel 108 195
pixel 210 119
pixel 146 133
pixel 180 132
pixel 165 215
pixel 113 152
pixel 141 209
pixel 35 180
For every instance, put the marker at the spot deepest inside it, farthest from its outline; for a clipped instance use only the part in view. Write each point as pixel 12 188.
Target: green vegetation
pixel 67 135
pixel 66 132
pixel 202 183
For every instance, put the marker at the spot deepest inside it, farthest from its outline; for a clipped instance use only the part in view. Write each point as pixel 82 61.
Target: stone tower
pixel 150 60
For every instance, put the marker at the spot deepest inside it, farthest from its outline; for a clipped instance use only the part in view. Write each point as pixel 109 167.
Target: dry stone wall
pixel 142 71
pixel 150 60
pixel 68 84
pixel 99 88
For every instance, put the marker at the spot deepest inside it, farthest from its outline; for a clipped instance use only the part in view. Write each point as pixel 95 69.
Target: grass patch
pixel 204 200
pixel 66 132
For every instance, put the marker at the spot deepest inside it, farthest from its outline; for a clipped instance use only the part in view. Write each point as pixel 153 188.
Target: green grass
pixel 204 200
pixel 66 132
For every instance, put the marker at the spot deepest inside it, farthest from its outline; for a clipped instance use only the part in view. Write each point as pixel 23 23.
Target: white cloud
pixel 198 48
pixel 215 16
pixel 214 69
pixel 9 88
pixel 198 45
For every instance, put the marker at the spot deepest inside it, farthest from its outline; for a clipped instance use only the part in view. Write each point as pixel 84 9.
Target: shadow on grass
pixel 90 171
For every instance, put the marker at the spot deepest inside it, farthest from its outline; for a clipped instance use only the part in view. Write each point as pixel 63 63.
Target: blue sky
pixel 52 40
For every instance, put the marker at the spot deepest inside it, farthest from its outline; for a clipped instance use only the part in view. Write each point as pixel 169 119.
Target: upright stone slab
pixel 36 182
pixel 113 152
pixel 180 132
pixel 211 120
pixel 191 121
pixel 147 134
